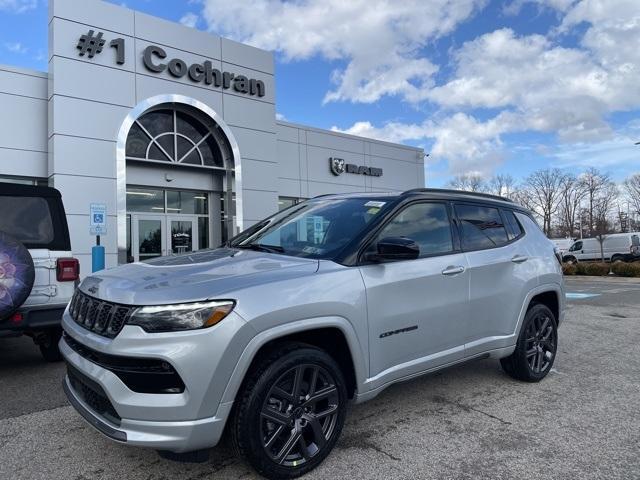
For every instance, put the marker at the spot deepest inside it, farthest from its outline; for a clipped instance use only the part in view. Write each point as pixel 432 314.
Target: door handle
pixel 519 259
pixel 453 270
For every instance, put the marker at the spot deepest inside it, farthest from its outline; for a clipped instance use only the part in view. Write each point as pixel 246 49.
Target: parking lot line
pixel 578 296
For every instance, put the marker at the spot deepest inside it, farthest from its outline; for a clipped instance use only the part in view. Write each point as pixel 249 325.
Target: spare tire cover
pixel 17 274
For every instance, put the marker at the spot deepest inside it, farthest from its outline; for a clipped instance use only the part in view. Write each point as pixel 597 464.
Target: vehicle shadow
pixel 28 383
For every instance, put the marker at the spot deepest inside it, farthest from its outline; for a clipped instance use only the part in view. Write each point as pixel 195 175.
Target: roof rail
pixel 458 192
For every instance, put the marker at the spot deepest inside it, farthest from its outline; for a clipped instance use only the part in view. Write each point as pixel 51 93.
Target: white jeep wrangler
pixel 37 272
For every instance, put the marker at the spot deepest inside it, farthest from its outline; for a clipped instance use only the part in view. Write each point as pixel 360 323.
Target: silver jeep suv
pixel 332 299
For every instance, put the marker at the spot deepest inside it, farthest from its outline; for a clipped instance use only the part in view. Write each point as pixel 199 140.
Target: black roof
pixel 434 194
pixel 445 193
pixel 18 190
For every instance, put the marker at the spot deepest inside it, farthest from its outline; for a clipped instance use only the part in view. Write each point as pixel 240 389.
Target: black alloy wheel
pixel 299 415
pixel 290 411
pixel 541 342
pixel 536 348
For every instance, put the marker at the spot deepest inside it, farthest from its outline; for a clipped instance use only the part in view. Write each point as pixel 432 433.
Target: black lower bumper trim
pixel 34 319
pixel 101 426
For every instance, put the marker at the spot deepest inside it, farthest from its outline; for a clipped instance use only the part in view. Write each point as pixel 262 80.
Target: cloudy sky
pixel 485 86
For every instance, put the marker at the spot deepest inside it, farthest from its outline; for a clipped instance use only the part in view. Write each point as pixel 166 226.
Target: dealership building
pixel 172 133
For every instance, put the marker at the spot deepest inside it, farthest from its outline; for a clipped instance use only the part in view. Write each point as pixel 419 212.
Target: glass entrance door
pixel 156 235
pixel 183 234
pixel 148 238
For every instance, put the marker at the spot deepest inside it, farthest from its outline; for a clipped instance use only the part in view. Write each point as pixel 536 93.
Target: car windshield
pixel 318 228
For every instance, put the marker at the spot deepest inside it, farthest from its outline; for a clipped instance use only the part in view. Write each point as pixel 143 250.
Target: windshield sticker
pixel 373 211
pixel 374 203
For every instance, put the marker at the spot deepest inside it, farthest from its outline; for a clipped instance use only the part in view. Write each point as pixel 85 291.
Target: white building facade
pixel 174 131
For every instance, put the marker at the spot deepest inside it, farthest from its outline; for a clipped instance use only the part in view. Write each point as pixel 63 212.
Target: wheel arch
pixel 550 299
pixel 331 334
pixel 549 293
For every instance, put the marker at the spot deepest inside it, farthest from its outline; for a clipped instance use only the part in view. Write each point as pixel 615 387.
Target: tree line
pixel 588 204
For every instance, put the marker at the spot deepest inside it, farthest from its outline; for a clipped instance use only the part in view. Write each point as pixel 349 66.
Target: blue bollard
pixel 97 256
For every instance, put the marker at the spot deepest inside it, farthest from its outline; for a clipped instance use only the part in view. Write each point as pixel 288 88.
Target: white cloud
pixel 16 47
pixel 551 88
pixel 516 5
pixel 537 85
pixel 378 39
pixel 18 6
pixel 281 117
pixel 529 83
pixel 189 19
pixel 618 154
pixel 467 144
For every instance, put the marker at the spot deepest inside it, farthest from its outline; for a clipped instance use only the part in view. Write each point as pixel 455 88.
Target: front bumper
pixel 183 436
pixel 178 422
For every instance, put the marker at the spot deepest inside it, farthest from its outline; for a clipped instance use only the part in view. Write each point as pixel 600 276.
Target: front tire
pixel 290 411
pixel 537 345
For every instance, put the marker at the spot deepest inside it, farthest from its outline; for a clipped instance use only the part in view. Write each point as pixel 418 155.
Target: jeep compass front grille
pixel 103 318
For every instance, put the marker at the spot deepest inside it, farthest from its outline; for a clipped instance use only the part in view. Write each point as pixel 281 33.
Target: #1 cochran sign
pixel 153 58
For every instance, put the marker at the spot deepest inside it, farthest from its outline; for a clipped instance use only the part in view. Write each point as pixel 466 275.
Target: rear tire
pixel 537 345
pixel 49 346
pixel 617 258
pixel 276 423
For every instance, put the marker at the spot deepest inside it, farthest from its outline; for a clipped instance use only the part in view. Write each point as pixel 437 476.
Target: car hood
pixel 192 277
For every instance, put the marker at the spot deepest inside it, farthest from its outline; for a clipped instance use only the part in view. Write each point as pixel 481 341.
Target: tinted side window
pixel 426 223
pixel 514 230
pixel 481 227
pixel 28 219
pixel 576 246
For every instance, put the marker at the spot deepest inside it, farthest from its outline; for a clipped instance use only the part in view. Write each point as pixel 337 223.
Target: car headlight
pixel 185 316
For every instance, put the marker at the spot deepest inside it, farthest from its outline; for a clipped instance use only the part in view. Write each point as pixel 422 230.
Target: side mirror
pixel 395 248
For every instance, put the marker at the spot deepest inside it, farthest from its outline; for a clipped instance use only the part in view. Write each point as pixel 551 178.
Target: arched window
pixel 179 136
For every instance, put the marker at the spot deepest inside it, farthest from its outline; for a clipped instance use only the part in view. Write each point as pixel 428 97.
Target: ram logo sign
pixel 338 166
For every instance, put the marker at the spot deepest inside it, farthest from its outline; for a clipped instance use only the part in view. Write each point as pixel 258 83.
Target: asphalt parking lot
pixel 472 421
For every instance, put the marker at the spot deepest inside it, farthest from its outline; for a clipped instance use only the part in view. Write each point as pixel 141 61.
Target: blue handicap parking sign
pixel 98 219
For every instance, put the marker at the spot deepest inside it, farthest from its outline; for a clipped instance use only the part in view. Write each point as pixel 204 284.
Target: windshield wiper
pixel 261 247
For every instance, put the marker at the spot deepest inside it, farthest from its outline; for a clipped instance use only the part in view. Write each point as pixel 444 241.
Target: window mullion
pixel 175 136
pixel 196 145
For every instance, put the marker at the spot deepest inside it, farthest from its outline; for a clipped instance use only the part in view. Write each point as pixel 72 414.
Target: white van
pixel 562 244
pixel 616 247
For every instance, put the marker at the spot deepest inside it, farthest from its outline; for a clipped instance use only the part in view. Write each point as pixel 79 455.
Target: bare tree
pixel 543 191
pixel 594 182
pixel 523 196
pixel 469 182
pixel 602 207
pixel 572 191
pixel 632 190
pixel 502 185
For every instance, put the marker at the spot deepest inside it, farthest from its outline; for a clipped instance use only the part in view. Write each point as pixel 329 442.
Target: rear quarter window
pixel 514 229
pixel 482 227
pixel 28 219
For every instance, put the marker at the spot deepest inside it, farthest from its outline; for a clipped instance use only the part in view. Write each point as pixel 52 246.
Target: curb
pixel 597 278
